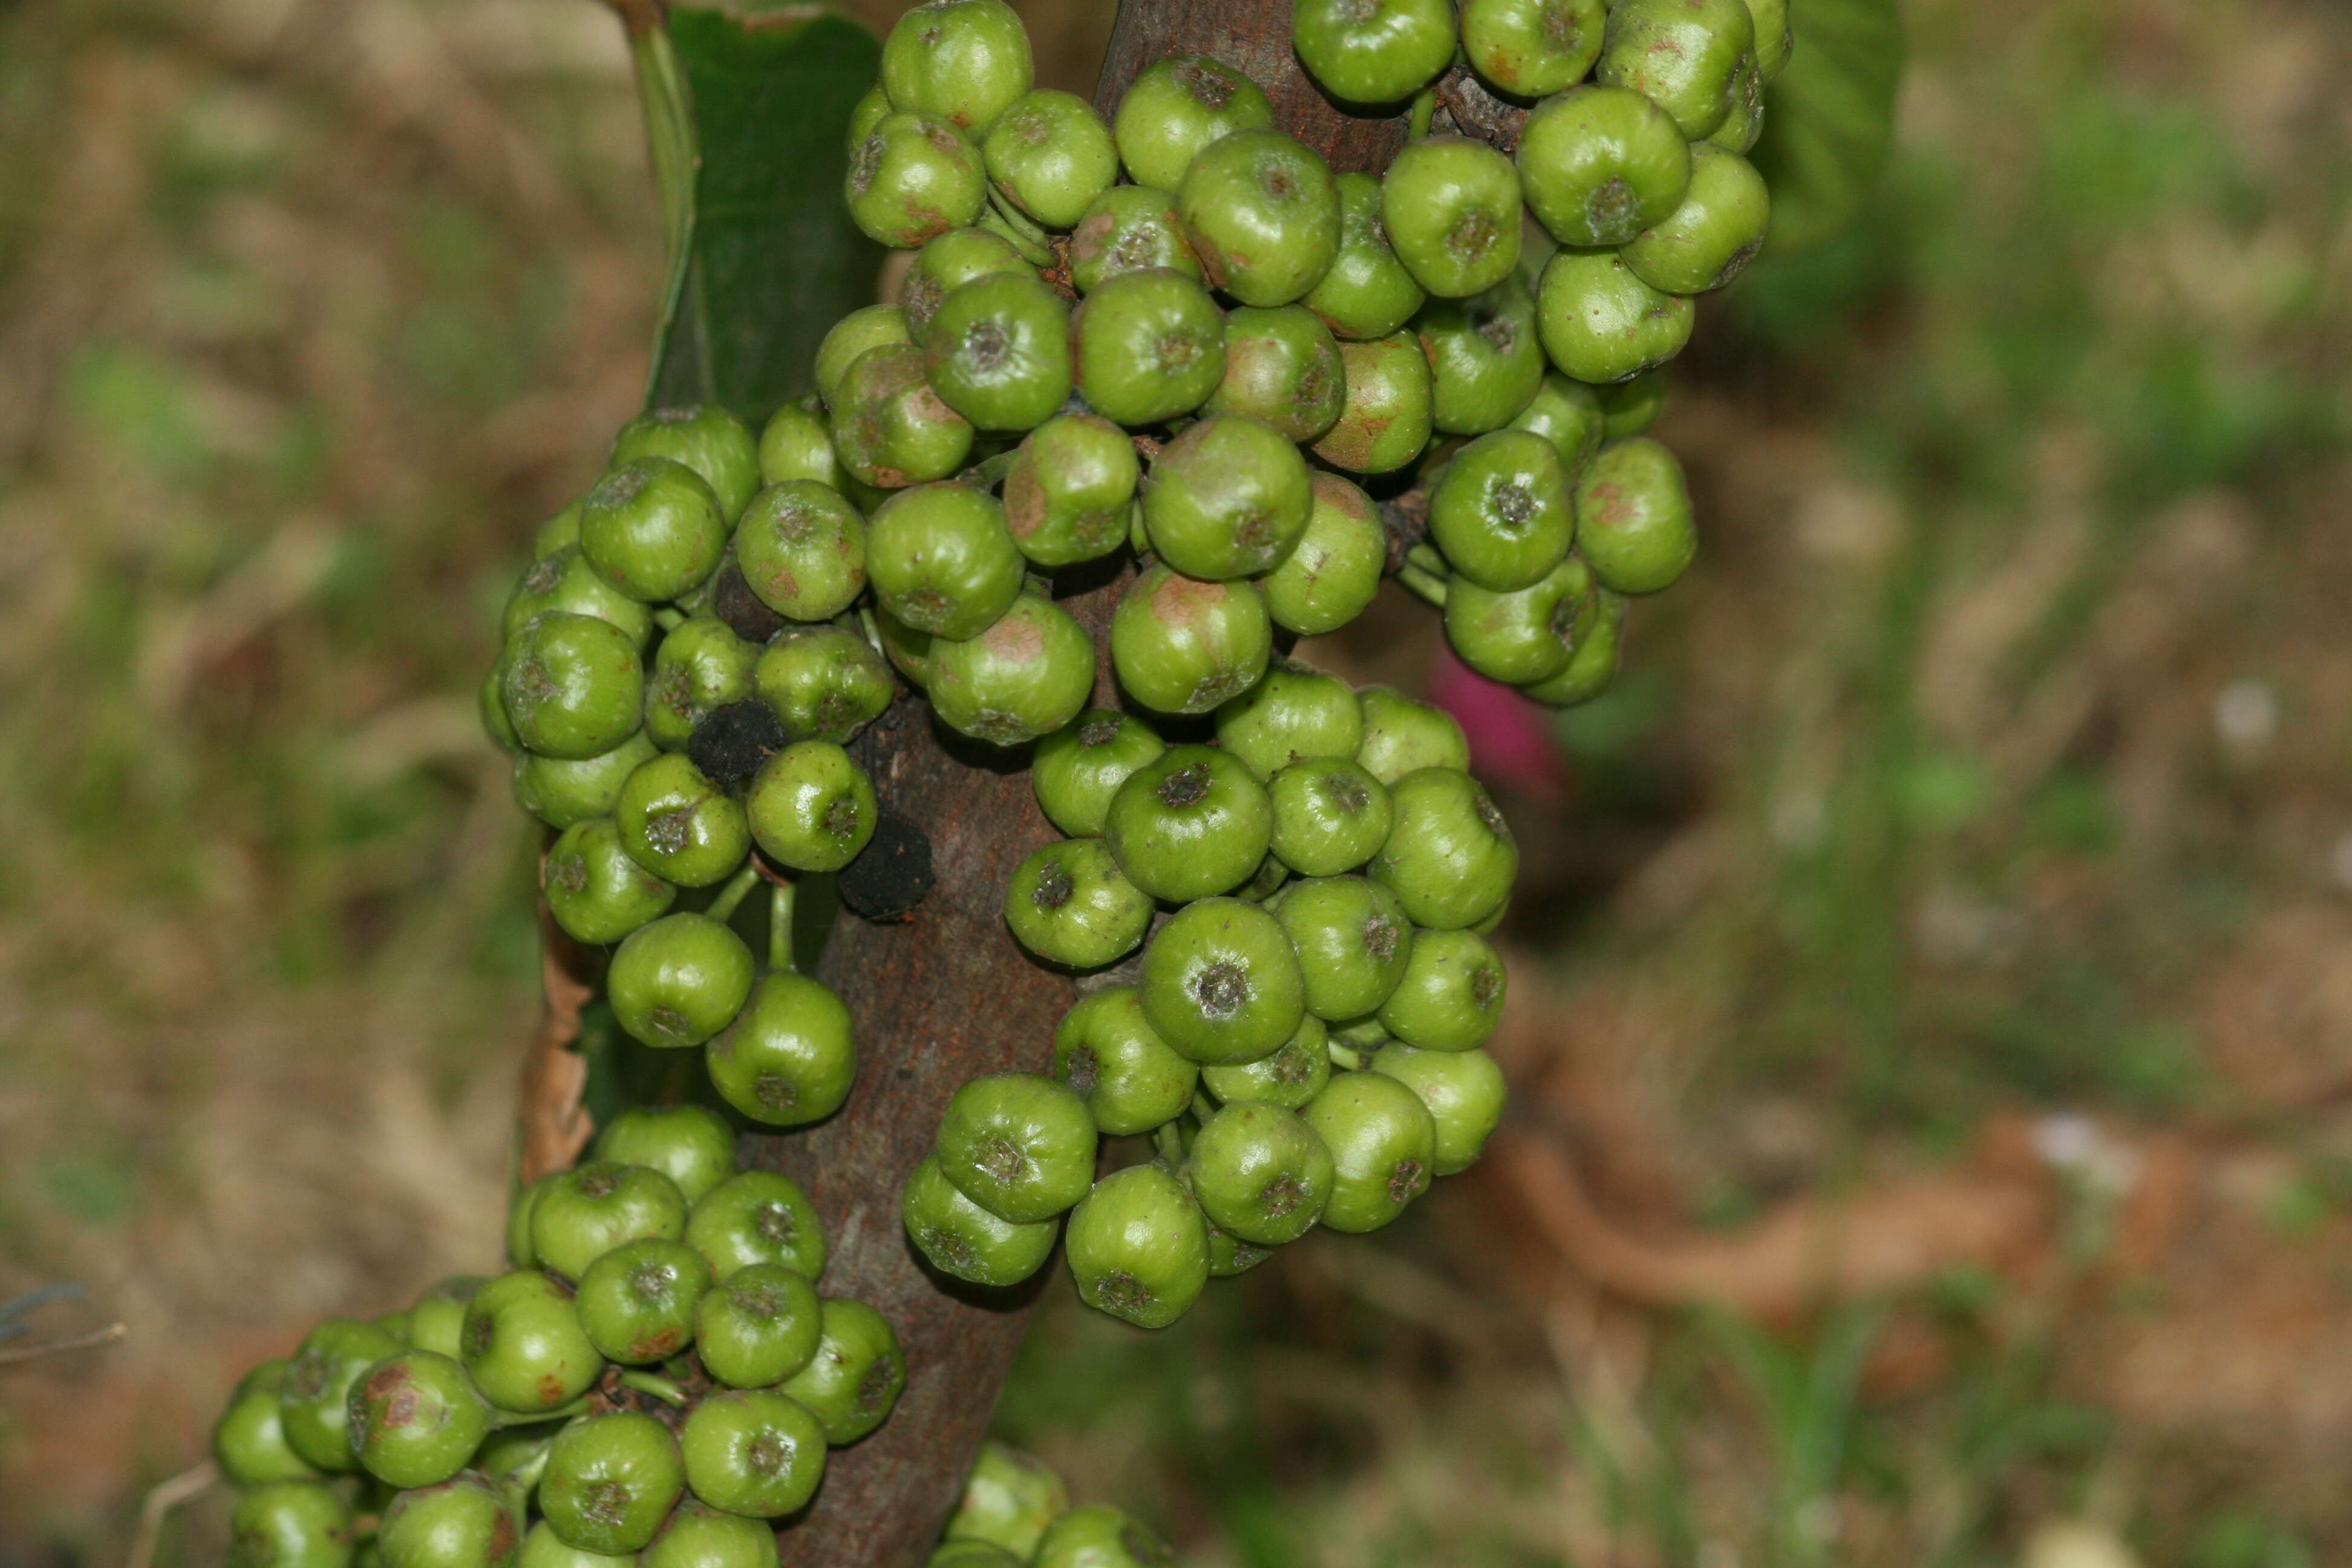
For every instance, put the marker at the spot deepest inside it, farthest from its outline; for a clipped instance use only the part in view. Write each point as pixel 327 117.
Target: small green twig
pixel 780 926
pixel 1425 105
pixel 651 1383
pixel 1345 1057
pixel 738 885
pixel 1424 582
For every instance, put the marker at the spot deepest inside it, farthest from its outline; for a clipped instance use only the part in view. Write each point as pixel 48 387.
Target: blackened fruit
pixel 1383 1145
pixel 610 1482
pixel 1221 983
pixel 678 980
pixel 1181 646
pixel 1138 1248
pixel 636 1302
pixel 1176 106
pixel 753 1452
pixel 963 1239
pixel 757 1216
pixel 1107 1053
pixel 1187 823
pixel 1020 1145
pixel 758 1326
pixel 856 1375
pixel 1450 859
pixel 1069 904
pixel 585 1212
pixel 415 1419
pixel 789 1058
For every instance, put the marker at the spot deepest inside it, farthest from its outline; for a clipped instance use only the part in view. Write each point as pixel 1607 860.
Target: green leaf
pixel 747 110
pixel 1828 118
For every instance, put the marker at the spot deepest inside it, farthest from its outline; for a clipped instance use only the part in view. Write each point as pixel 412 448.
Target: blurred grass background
pixel 1973 822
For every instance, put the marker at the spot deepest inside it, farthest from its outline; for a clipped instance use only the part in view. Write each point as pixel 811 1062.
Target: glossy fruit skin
pixel 1149 345
pixel 585 1212
pixel 1263 215
pixel 248 1441
pixel 1682 54
pixel 1593 665
pixel 970 1555
pixel 519 1252
pixel 997 352
pixel 562 792
pixel 1332 573
pixel 1601 323
pixel 1190 823
pixel 1331 814
pixel 1353 941
pixel 847 341
pixel 1106 1052
pixel 1282 368
pixel 1230 1256
pixel 1180 645
pixel 1599 165
pixel 1486 358
pixel 1637 532
pixel 1383 1143
pixel 1176 106
pixel 1069 904
pixel 1367 293
pixel 1532 48
pixel 942 561
pixel 890 428
pixel 1229 498
pixel 312 1398
pixel 822 683
pixel 855 1378
pixel 796 444
pixel 636 1301
pixel 1101 1537
pixel 1027 674
pixel 564 580
pixel 964 60
pixel 1385 420
pixel 789 1058
pixel 1068 493
pixel 757 1216
pixel 1463 1090
pixel 572 685
pixel 1628 408
pixel 1710 238
pixel 1522 637
pixel 1139 1248
pixel 704 436
pixel 913 176
pixel 758 1326
pixel 1296 711
pixel 1008 1501
pixel 678 824
pixel 1019 1144
pixel 678 980
pixel 1743 126
pixel 697 1536
pixel 963 1239
pixel 1289 1078
pixel 812 809
pixel 1504 511
pixel 1260 1173
pixel 1450 205
pixel 1451 997
pixel 1401 735
pixel 699 665
pixel 467 1521
pixel 753 1452
pixel 1130 229
pixel 290 1524
pixel 524 1345
pixel 1572 416
pixel 1221 983
pixel 653 528
pixel 542 1548
pixel 611 1480
pixel 1450 859
pixel 1078 768
pixel 1380 53
pixel 946 263
pixel 1050 154
pixel 415 1418
pixel 802 549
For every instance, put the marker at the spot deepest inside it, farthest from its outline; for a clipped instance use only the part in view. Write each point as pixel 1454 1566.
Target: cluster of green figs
pixel 657 1379
pixel 1173 352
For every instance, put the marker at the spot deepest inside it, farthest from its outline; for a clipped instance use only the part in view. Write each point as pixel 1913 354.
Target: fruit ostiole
pixel 1031 560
